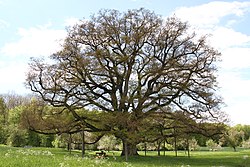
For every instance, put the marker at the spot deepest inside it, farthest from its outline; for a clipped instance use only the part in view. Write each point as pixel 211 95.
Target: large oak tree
pixel 129 65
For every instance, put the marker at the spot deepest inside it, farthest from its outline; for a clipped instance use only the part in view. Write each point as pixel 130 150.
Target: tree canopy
pixel 131 65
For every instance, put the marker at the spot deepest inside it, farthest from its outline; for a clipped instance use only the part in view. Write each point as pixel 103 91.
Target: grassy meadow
pixel 56 157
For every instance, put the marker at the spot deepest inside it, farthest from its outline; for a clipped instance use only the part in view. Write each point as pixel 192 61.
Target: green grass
pixel 54 157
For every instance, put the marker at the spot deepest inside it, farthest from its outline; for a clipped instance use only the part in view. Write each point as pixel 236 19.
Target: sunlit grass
pixel 54 157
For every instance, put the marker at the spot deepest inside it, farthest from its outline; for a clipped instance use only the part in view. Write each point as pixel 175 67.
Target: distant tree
pixel 13 100
pixel 212 145
pixel 245 129
pixel 17 137
pixel 14 115
pixel 12 131
pixel 33 139
pixel 108 143
pixel 233 137
pixel 130 65
pixel 201 139
pixel 3 111
pixel 3 121
pixel 246 144
pixel 193 144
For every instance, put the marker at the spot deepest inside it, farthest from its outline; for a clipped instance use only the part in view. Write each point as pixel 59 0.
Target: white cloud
pixel 223 37
pixel 35 41
pixel 3 24
pixel 13 77
pixel 236 95
pixel 235 58
pixel 231 22
pixel 71 21
pixel 209 14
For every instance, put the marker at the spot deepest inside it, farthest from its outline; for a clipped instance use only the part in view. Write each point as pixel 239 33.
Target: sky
pixel 35 28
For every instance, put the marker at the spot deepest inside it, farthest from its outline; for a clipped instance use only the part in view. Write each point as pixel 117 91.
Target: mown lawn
pixel 54 157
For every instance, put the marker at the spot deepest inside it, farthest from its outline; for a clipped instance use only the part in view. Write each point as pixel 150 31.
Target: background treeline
pixel 18 114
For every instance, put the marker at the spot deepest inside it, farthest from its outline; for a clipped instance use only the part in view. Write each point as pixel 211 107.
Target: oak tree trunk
pixel 131 149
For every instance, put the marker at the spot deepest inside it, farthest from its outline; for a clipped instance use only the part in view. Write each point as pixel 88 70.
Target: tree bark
pixel 175 142
pixel 83 144
pixel 164 147
pixel 158 148
pixel 130 148
pixel 188 150
pixel 126 150
pixel 69 143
